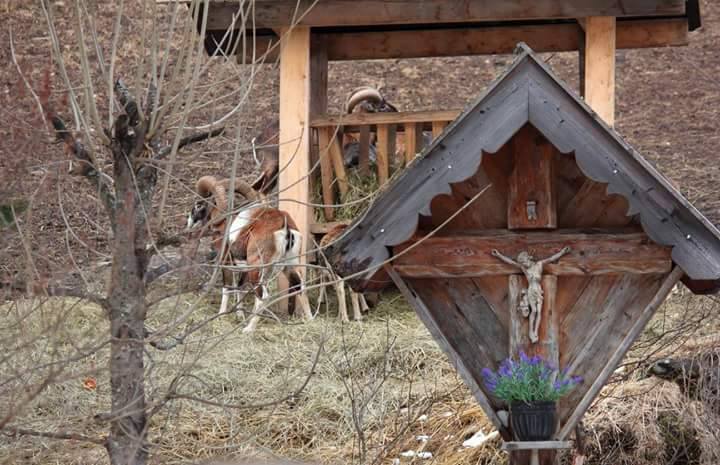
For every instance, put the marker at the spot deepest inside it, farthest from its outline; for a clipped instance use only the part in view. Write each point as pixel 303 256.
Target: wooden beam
pixel 620 352
pixel 477 40
pixel 531 196
pixel 600 39
pixel 336 13
pixel 353 122
pixel 592 254
pixel 427 318
pixel 293 182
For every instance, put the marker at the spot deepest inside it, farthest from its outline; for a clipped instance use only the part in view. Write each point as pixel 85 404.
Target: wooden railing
pixel 398 139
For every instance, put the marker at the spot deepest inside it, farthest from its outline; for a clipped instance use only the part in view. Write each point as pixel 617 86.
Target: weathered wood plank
pixel 450 347
pixel 413 141
pixel 294 137
pixel 494 171
pixel 600 38
pixel 621 349
pixel 318 99
pixel 281 13
pixel 364 141
pixel 592 254
pixel 585 207
pixel 385 150
pixel 355 121
pixel 477 39
pixel 495 291
pixel 326 172
pixel 437 128
pixel 576 321
pixel 338 164
pixel 531 193
pixel 538 445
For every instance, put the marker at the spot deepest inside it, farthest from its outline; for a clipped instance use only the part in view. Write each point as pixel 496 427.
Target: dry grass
pixel 638 421
pixel 222 365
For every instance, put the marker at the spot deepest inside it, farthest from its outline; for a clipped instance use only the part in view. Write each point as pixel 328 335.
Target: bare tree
pixel 155 106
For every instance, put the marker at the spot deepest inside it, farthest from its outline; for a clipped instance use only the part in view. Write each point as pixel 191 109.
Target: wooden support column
pixel 318 107
pixel 599 70
pixel 293 181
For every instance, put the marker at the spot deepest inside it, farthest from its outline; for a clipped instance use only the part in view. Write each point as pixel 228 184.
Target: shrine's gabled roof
pixel 528 92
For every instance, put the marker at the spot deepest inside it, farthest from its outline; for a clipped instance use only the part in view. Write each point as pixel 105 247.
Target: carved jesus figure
pixel 531 297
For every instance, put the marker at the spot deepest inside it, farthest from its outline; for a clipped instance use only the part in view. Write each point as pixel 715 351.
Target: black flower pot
pixel 534 421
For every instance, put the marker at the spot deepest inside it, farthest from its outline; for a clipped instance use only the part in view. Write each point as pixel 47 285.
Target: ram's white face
pixel 198 214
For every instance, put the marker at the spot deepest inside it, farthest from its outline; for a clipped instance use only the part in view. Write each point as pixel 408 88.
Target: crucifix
pixel 531 300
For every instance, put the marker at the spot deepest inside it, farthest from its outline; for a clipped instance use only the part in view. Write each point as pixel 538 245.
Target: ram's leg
pixel 322 292
pixel 342 305
pixel 297 287
pixel 364 307
pixel 355 299
pixel 227 282
pixel 261 294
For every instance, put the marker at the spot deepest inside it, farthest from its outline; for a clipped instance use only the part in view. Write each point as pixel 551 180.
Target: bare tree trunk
pixel 126 443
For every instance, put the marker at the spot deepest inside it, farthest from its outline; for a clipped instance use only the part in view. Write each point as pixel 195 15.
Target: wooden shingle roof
pixel 528 92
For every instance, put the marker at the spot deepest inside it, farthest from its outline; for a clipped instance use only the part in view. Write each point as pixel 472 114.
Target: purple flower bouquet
pixel 529 379
pixel 531 387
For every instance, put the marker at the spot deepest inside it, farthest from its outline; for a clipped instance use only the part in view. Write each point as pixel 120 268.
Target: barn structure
pixel 304 35
pixel 531 169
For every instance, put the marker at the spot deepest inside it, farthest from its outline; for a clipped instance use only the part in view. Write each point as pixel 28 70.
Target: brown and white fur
pixel 329 276
pixel 261 243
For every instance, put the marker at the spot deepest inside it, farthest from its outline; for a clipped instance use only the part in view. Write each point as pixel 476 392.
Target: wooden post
pixel 318 107
pixel 600 66
pixel 326 171
pixel 293 182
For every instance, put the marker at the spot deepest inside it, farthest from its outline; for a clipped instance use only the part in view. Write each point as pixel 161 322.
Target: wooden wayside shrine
pixel 527 190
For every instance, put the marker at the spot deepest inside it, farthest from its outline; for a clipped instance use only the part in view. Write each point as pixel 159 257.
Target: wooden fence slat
pixel 336 157
pixel 413 141
pixel 326 173
pixel 364 161
pixel 438 127
pixel 385 142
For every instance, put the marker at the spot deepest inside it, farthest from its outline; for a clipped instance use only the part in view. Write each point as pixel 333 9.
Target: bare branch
pixel 191 139
pixel 12 431
pixel 87 166
pixel 55 290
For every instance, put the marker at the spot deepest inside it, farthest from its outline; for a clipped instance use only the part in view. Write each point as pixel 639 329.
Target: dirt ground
pixel 668 104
